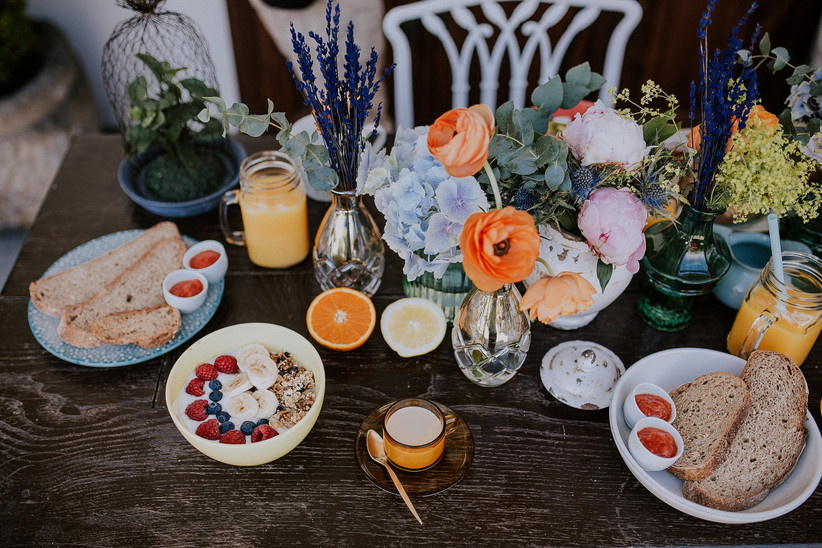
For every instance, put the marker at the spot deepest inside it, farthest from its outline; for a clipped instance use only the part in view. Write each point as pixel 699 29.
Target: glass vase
pixel 348 251
pixel 683 261
pixel 491 336
pixel 449 291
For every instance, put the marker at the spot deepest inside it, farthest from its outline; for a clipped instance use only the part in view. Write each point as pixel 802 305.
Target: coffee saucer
pixel 452 467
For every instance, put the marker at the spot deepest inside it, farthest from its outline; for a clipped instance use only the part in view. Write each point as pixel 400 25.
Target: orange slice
pixel 341 318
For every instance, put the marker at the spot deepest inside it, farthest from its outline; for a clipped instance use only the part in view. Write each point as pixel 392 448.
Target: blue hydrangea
pixel 458 198
pixel 442 234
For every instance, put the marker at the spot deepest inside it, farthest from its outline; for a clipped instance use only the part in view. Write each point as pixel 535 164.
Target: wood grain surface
pixel 90 457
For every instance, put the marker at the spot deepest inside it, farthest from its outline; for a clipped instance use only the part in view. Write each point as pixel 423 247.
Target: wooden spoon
pixel 376 450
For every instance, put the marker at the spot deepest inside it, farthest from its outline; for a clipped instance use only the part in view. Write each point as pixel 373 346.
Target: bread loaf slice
pixel 147 327
pixel 139 286
pixel 54 294
pixel 709 412
pixel 768 443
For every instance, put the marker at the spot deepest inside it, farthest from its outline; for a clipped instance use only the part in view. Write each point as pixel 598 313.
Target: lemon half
pixel 412 326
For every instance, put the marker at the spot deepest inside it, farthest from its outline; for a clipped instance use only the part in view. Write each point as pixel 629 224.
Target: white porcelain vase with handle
pixel 566 253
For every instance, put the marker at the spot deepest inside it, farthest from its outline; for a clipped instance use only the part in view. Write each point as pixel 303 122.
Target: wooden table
pixel 90 456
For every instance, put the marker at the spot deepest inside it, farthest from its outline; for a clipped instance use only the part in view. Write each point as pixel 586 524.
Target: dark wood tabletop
pixel 90 457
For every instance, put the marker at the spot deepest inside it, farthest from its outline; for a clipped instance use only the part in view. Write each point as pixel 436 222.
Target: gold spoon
pixel 376 450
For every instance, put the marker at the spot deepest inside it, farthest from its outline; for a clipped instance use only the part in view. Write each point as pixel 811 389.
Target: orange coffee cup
pixel 414 432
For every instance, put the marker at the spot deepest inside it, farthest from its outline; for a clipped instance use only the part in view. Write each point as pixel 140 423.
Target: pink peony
pixel 612 221
pixel 601 135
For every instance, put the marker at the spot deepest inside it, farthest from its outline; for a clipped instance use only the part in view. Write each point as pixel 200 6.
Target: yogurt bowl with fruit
pixel 246 394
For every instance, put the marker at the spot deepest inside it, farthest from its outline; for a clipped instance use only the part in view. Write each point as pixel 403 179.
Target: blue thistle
pixel 525 199
pixel 654 195
pixel 583 181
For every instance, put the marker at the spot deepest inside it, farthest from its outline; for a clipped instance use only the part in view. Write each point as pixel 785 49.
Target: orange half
pixel 341 318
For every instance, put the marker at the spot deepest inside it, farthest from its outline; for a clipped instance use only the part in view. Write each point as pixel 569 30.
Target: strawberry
pixel 195 387
pixel 196 410
pixel 209 429
pixel 227 364
pixel 206 371
pixel 263 432
pixel 233 436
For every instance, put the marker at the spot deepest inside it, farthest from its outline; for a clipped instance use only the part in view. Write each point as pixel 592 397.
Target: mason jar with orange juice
pixel 781 316
pixel 273 207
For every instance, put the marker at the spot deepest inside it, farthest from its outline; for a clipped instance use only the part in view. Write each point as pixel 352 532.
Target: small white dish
pixel 581 374
pixel 186 305
pixel 642 455
pixel 215 271
pixel 631 410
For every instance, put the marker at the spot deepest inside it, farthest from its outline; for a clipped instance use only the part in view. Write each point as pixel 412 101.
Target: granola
pixel 294 389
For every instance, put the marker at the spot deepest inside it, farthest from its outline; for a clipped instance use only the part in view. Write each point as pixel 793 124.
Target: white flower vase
pixel 565 253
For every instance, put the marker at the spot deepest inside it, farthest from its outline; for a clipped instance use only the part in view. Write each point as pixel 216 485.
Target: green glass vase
pixel 448 291
pixel 683 261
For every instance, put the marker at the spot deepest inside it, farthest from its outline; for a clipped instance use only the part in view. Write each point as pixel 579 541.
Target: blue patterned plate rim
pixel 44 327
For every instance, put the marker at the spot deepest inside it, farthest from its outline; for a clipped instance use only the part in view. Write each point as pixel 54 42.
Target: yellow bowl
pixel 276 339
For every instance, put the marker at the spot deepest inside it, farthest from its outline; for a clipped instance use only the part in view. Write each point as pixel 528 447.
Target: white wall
pixel 88 23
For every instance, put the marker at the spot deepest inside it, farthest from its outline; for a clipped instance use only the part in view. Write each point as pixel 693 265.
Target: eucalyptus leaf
pixel 579 75
pixel 253 125
pixel 781 58
pixel 566 183
pixel 596 82
pixel 813 126
pixel 547 149
pixel 548 96
pixel 524 129
pixel 744 56
pixel 765 44
pixel 573 94
pixel 554 176
pixel 504 118
pixel 523 164
pixel 204 115
pixel 798 75
pixel 604 272
pixel 217 101
pixel 539 119
pixel 786 121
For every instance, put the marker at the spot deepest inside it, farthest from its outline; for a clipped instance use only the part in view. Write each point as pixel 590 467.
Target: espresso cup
pixel 414 432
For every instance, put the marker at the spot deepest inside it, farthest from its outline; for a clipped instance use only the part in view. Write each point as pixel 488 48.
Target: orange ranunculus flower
pixel 771 121
pixel 499 247
pixel 459 139
pixel 564 294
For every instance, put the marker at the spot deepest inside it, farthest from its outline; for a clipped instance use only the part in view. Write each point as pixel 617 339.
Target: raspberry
pixel 233 436
pixel 262 432
pixel 227 364
pixel 195 387
pixel 196 410
pixel 209 430
pixel 206 372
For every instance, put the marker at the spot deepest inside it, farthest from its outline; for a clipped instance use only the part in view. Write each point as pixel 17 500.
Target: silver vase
pixel 348 251
pixel 491 336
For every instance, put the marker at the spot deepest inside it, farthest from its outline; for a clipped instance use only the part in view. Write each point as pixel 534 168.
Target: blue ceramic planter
pixel 128 175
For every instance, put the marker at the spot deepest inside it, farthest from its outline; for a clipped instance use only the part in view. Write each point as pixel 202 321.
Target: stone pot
pixel 565 253
pixel 39 119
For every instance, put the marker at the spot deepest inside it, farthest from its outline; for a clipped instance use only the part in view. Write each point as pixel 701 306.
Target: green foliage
pixel 168 119
pixel 18 44
pixel 604 272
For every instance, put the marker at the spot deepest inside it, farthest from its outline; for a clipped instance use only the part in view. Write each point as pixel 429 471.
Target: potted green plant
pixel 176 165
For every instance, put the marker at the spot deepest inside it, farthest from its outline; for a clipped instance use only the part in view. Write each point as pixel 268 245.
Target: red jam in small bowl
pixel 658 441
pixel 204 259
pixel 186 288
pixel 652 405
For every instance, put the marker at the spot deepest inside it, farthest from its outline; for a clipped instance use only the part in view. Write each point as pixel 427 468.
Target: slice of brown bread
pixel 54 294
pixel 139 286
pixel 768 443
pixel 147 327
pixel 709 412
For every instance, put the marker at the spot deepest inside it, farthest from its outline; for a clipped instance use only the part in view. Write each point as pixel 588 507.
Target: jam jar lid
pixel 581 374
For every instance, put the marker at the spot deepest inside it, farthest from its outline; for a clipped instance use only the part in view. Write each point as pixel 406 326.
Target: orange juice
pixel 276 222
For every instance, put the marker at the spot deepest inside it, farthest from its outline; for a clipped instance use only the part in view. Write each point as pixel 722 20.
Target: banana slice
pixel 237 385
pixel 242 407
pixel 246 354
pixel 268 403
pixel 261 371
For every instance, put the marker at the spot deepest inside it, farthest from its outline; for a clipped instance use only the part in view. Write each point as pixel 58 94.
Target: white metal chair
pixel 506 44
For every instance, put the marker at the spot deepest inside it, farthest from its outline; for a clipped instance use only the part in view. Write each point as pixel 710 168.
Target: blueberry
pixel 280 407
pixel 247 427
pixel 213 408
pixel 222 416
pixel 215 395
pixel 262 421
pixel 215 384
pixel 226 426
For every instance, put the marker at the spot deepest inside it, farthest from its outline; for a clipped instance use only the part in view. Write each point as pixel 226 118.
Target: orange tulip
pixel 459 139
pixel 499 247
pixel 771 121
pixel 564 294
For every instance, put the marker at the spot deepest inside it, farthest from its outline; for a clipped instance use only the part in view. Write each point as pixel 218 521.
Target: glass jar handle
pixel 755 334
pixel 236 237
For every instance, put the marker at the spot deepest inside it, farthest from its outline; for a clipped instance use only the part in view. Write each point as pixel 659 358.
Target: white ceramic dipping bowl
pixel 276 339
pixel 644 457
pixel 630 410
pixel 215 271
pixel 186 305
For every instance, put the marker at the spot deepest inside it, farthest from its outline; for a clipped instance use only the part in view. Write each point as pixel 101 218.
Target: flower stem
pixel 548 268
pixel 494 186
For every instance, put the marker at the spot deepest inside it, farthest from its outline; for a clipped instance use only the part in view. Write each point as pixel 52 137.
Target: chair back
pixel 496 39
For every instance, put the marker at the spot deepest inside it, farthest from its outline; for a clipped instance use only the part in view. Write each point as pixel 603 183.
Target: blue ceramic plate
pixel 44 327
